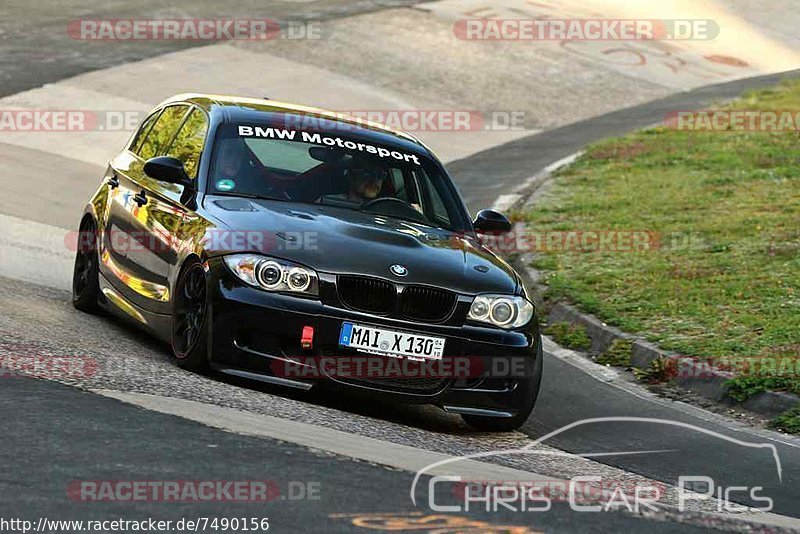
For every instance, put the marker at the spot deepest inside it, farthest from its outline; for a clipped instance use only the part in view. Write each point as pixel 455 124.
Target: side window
pixel 162 133
pixel 188 143
pixel 399 183
pixel 142 133
pixel 435 208
pixel 438 208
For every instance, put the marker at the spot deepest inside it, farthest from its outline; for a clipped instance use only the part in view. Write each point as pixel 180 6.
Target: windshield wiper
pixel 415 221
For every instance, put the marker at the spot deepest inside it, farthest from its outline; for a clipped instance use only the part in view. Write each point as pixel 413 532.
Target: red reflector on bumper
pixel 307 338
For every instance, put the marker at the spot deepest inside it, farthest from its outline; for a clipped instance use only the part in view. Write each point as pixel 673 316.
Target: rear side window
pixel 188 143
pixel 160 136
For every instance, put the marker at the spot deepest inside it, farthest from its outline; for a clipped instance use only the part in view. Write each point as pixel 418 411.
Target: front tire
pixel 529 393
pixel 86 273
pixel 189 318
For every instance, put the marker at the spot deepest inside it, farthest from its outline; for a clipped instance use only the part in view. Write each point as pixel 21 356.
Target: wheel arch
pixel 190 258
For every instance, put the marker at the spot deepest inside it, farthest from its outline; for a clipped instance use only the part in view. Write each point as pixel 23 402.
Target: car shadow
pixel 421 416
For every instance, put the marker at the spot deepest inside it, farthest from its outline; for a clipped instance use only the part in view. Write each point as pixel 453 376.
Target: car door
pixel 169 224
pixel 142 216
pixel 116 236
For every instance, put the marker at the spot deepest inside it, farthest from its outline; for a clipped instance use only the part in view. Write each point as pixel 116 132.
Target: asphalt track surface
pixel 60 434
pixel 33 50
pixel 66 433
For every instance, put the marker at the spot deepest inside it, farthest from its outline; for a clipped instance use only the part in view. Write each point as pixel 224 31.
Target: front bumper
pixel 257 334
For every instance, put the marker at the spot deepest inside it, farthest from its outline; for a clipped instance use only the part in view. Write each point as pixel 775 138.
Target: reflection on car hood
pixel 338 240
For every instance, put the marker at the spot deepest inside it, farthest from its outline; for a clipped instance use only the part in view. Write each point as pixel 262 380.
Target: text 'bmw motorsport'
pixel 319 139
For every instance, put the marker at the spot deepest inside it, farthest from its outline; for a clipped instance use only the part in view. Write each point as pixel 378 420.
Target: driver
pixel 232 158
pixel 364 184
pixel 234 168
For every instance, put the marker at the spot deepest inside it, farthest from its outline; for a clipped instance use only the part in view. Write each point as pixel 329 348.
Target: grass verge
pixel 720 273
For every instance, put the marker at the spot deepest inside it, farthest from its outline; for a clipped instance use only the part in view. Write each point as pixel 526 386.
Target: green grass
pixel 618 354
pixel 569 335
pixel 659 370
pixel 726 205
pixel 788 421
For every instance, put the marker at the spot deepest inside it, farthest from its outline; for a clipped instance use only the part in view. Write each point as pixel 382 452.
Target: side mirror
pixel 167 169
pixel 488 221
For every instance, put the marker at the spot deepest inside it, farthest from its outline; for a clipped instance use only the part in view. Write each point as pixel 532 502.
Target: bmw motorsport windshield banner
pixel 320 139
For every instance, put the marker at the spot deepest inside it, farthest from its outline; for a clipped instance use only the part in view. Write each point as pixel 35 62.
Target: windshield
pixel 327 168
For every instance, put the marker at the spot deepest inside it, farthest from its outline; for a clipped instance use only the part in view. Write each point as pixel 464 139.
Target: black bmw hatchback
pixel 296 247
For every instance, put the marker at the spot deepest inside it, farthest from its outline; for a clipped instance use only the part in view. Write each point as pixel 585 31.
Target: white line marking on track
pixel 407 458
pixel 506 201
pixel 342 443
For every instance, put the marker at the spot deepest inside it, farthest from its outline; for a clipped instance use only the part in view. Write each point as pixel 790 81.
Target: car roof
pixel 237 108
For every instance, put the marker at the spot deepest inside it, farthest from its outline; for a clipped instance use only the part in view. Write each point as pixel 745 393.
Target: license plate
pixel 391 343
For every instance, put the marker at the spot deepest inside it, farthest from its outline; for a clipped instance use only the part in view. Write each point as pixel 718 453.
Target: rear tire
pixel 86 273
pixel 190 317
pixel 530 392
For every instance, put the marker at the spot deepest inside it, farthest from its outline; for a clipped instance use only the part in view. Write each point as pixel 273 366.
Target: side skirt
pixel 112 301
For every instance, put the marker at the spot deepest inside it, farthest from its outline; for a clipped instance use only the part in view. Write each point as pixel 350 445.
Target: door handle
pixel 140 199
pixel 113 182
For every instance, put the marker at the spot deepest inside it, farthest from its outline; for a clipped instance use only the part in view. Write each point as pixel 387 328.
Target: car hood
pixel 339 240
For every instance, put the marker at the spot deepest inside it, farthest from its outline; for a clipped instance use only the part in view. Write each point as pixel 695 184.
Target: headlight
pixel 505 311
pixel 273 274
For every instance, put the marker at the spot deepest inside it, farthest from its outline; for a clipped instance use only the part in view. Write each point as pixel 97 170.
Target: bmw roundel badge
pixel 398 270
